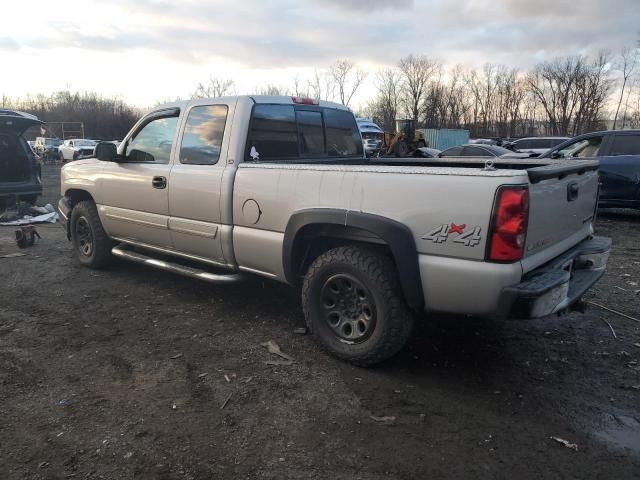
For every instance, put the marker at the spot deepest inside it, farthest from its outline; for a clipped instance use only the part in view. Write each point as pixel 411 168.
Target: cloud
pixel 371 6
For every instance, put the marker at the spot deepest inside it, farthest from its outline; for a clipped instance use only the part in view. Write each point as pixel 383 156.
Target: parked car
pixel 279 187
pixel 20 169
pixel 372 136
pixel 536 145
pixel 619 155
pixel 47 148
pixel 486 141
pixel 76 148
pixel 481 150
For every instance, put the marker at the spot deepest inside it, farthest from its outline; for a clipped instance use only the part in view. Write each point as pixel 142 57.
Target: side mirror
pixel 107 152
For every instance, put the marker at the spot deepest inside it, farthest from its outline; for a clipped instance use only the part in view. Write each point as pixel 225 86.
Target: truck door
pixel 195 190
pixel 620 168
pixel 134 191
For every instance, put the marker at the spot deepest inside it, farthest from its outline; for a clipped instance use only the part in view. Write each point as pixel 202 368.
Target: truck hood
pixel 17 124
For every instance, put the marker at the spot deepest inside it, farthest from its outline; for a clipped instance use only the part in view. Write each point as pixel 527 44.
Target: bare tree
pixel 274 90
pixel 215 87
pixel 387 83
pixel 347 79
pixel 321 86
pixel 416 72
pixel 298 89
pixel 627 65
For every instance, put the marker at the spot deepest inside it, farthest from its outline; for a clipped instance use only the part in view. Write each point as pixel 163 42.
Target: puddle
pixel 620 431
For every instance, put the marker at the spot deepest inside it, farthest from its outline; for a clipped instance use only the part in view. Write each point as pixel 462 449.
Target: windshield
pixel 53 142
pixel 85 143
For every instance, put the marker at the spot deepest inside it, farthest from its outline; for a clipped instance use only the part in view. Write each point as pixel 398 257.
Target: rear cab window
pixel 302 133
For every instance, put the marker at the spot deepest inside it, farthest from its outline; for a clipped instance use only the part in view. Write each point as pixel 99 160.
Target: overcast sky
pixel 147 51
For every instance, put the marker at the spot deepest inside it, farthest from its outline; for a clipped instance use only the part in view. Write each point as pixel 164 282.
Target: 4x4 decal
pixel 441 234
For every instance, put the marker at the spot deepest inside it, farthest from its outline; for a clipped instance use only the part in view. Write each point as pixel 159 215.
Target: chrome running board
pixel 123 252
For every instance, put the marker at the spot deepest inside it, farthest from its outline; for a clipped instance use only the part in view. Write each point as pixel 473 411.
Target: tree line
pixel 563 96
pixel 102 117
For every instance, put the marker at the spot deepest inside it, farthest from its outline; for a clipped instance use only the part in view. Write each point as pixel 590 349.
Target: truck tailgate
pixel 561 209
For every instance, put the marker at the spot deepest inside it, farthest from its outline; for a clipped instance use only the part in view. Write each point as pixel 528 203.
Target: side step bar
pixel 123 252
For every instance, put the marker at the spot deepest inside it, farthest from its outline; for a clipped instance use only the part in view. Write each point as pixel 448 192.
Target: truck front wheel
pixel 92 245
pixel 354 306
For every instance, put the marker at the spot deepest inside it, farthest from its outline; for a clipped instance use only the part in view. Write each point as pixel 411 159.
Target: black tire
pixel 329 306
pixel 92 245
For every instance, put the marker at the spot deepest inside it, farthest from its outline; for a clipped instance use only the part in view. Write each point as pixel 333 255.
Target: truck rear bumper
pixel 558 284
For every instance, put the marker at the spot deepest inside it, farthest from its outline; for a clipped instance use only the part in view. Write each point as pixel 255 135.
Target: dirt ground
pixel 134 373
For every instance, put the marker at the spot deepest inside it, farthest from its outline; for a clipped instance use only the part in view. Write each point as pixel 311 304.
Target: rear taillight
pixel 509 227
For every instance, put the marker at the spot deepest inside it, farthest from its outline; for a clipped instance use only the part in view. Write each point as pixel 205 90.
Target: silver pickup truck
pixel 279 187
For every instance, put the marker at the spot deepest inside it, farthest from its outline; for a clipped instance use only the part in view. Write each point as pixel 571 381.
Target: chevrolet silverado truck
pixel 279 187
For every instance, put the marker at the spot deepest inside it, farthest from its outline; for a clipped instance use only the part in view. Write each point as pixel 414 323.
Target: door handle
pixel 159 182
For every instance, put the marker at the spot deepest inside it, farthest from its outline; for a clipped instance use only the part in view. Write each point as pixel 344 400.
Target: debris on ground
pixel 300 331
pixel 224 404
pixel 614 311
pixel 274 348
pixel 23 214
pixel 26 236
pixel 383 419
pixel 13 255
pixel 613 332
pixel 177 355
pixel 566 443
pixel 279 363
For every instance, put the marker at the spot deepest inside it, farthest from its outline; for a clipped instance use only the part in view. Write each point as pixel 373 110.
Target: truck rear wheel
pixel 354 306
pixel 93 246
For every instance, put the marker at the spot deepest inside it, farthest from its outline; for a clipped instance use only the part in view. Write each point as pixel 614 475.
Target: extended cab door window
pixel 203 132
pixel 152 143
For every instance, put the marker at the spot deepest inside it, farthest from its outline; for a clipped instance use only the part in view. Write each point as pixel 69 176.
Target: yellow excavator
pixel 404 141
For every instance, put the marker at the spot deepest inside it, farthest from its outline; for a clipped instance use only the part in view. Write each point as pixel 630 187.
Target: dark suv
pixel 20 169
pixel 619 155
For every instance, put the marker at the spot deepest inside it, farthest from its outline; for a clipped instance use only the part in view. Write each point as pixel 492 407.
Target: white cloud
pixel 149 50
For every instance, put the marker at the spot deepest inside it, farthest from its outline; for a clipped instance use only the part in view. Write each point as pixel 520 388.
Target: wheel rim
pixel 348 308
pixel 84 236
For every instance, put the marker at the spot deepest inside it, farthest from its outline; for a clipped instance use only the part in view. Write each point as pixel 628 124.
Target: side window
pixel 274 133
pixel 343 136
pixel 153 143
pixel 588 147
pixel 523 144
pixel 452 152
pixel 310 132
pixel 539 143
pixel 625 145
pixel 202 138
pixel 475 152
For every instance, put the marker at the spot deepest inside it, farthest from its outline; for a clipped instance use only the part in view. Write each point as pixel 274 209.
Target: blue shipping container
pixel 444 138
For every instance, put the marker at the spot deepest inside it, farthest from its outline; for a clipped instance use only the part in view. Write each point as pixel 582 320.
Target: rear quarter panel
pixel 425 199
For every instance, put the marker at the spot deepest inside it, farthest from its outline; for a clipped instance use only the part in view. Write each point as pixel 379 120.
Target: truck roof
pixel 280 99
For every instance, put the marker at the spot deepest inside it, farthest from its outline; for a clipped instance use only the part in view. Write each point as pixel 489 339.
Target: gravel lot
pixel 134 373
